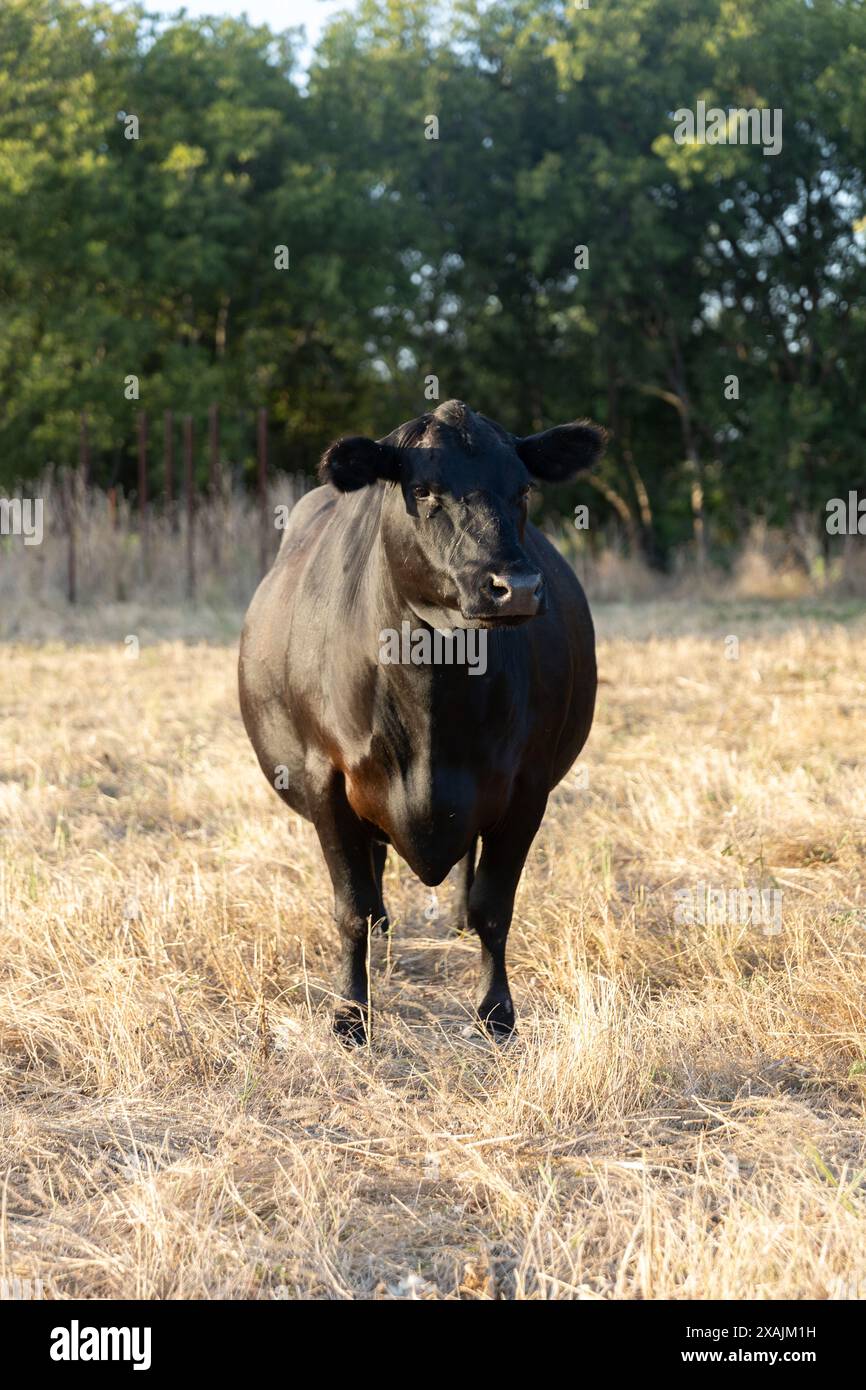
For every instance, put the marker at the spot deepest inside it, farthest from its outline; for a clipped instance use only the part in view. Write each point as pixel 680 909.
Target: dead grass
pixel 681 1115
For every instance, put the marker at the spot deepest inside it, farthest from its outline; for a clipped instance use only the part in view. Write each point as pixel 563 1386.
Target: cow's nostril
pixel 516 595
pixel 498 589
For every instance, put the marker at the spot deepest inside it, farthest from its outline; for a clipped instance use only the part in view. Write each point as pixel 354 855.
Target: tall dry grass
pixel 680 1116
pixel 121 585
pixel 121 576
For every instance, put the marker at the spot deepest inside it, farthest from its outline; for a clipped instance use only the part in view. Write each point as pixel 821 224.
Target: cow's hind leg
pixel 462 889
pixel 380 855
pixel 354 866
pixel 491 904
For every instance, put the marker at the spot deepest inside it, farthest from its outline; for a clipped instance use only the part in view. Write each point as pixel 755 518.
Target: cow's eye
pixel 423 494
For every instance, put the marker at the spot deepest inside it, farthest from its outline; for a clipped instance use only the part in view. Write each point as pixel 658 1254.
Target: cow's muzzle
pixel 508 595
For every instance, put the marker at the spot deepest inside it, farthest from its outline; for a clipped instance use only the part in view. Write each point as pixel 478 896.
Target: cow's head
pixel 453 522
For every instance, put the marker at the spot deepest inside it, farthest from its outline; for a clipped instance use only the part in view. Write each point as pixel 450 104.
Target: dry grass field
pixel 680 1116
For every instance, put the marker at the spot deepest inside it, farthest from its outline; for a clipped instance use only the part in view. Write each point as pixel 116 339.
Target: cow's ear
pixel 557 454
pixel 354 462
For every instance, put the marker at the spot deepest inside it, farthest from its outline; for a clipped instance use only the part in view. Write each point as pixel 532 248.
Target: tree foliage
pixel 453 257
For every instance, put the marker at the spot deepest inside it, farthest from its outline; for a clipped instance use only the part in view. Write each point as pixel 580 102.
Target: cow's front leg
pixel 358 908
pixel 380 859
pixel 491 904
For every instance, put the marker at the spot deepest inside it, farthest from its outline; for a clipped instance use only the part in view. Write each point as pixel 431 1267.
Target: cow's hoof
pixel 382 925
pixel 496 1018
pixel 350 1026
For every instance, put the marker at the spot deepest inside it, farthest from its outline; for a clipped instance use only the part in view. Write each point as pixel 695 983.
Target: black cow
pixel 427 526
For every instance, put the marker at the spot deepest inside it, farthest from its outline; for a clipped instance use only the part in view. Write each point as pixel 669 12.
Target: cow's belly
pixel 430 816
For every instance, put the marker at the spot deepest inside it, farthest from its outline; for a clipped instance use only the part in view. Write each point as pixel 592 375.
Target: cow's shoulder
pixel 308 515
